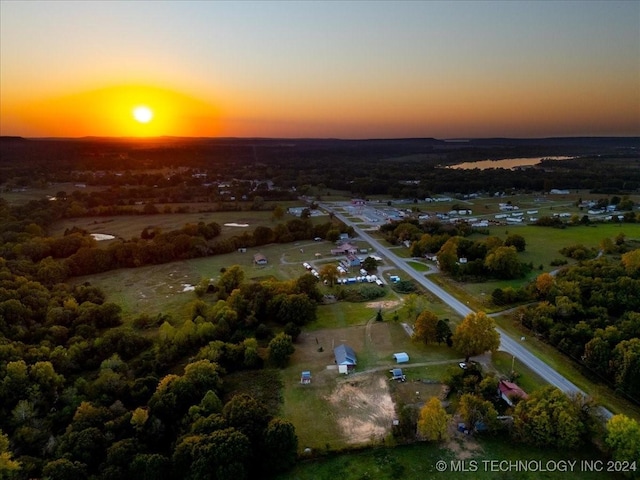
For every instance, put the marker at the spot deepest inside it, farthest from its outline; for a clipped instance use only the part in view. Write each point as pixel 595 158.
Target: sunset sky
pixel 320 69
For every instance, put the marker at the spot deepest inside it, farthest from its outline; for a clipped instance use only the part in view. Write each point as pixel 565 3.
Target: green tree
pixel 329 273
pixel 412 305
pixel 262 235
pixel 298 309
pixel 279 445
pixel 7 465
pixel 626 364
pixel 433 421
pixel 631 262
pixel 138 418
pixel 64 469
pixel 549 418
pixel 247 415
pixel 307 284
pixel 476 334
pixel 443 332
pixel 252 358
pixel 623 438
pixel 223 455
pixel 425 329
pixel 370 264
pixel 448 255
pixel 503 262
pixel 517 241
pixel 475 410
pixel 278 213
pixel 333 235
pixel 258 203
pixel 280 349
pixel 153 466
pixel 231 279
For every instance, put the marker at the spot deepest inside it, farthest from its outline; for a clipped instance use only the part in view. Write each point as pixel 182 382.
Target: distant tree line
pixel 53 259
pixel 363 168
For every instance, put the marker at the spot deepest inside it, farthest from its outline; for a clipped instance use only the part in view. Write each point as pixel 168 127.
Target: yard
pixel 357 408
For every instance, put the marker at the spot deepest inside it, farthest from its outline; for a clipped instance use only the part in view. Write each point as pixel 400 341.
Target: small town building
pixel 353 261
pixel 345 249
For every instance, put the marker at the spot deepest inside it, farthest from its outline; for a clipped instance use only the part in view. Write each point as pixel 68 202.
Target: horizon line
pixel 179 137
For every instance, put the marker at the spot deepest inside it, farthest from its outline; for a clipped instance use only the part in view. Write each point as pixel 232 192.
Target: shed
pixel 345 357
pixel 305 377
pixel 259 259
pixel 401 357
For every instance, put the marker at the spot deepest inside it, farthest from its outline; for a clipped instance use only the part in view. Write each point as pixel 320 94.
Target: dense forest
pixel 85 395
pixel 590 312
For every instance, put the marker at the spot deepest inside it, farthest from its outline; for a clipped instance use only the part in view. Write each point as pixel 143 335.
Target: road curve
pixel 507 343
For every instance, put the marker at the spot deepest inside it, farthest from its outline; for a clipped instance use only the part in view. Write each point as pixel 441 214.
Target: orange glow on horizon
pixel 122 111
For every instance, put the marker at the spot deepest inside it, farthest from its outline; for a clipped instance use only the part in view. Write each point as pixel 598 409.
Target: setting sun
pixel 143 114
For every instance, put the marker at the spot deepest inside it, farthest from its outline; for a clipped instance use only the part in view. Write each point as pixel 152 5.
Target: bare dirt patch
pixel 384 304
pixel 463 446
pixel 364 408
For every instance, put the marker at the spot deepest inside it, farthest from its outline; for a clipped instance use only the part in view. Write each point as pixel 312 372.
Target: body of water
pixel 508 163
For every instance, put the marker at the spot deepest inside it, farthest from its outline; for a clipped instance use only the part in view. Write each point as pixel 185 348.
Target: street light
pixel 513 360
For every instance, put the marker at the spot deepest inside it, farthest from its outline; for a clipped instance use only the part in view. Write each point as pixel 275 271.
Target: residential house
pixel 509 392
pixel 345 358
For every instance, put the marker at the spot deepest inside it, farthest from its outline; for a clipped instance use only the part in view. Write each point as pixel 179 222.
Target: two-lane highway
pixel 507 343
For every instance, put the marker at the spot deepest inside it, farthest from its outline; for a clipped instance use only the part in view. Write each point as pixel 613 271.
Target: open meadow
pixel 130 226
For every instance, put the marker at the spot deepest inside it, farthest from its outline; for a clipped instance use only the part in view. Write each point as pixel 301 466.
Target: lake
pixel 508 163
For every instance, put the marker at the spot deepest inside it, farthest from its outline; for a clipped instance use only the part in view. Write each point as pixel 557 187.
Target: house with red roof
pixel 509 392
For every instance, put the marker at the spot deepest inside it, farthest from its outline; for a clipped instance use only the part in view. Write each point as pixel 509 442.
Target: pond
pixel 508 163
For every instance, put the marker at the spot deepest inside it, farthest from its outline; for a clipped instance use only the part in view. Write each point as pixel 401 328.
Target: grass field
pixel 418 462
pixel 131 226
pixel 158 288
pixel 544 244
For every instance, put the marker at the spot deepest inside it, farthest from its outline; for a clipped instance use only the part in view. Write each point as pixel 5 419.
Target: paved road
pixel 507 343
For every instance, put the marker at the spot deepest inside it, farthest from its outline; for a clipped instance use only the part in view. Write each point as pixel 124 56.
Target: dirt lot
pixel 364 409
